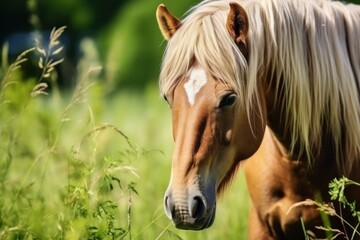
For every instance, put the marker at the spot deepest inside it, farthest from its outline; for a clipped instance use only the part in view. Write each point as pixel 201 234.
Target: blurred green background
pixel 88 156
pixel 125 34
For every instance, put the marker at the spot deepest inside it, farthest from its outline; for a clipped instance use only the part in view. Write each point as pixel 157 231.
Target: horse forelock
pixel 309 48
pixel 203 37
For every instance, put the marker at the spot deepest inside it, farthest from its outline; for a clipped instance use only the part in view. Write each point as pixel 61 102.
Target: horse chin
pixel 189 223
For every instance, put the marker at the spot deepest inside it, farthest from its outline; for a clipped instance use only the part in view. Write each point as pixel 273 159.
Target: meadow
pixel 82 164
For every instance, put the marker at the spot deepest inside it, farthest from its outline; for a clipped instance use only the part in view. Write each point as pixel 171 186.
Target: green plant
pixel 89 196
pixel 69 170
pixel 337 193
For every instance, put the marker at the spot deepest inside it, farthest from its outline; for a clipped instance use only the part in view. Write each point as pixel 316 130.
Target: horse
pixel 272 86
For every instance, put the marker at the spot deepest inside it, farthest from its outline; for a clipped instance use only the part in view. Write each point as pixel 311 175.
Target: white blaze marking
pixel 196 81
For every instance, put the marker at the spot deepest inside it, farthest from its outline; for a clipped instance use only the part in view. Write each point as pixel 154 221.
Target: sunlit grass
pixel 83 165
pixel 39 177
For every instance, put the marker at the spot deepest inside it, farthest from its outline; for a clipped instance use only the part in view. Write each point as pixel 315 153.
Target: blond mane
pixel 311 50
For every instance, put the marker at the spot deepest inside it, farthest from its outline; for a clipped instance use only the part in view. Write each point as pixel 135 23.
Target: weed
pixel 67 173
pixel 337 192
pixel 337 189
pixel 85 202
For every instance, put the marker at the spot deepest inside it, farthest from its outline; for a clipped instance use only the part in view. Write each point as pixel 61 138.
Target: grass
pixel 349 230
pixel 82 165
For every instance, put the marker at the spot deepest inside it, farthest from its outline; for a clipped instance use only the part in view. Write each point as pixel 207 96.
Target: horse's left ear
pixel 168 24
pixel 237 23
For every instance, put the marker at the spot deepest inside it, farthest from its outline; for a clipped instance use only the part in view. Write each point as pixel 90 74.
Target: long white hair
pixel 309 49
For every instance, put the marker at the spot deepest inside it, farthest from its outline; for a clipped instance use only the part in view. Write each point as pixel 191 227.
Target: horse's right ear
pixel 168 24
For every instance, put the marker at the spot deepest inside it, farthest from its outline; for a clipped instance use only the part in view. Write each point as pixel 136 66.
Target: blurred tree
pixel 134 44
pixel 130 40
pixel 79 15
pixel 14 17
pixel 83 18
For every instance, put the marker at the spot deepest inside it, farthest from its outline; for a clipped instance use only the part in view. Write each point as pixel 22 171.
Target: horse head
pixel 212 129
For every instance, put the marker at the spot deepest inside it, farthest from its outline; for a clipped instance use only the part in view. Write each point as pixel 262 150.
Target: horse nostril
pixel 169 207
pixel 197 207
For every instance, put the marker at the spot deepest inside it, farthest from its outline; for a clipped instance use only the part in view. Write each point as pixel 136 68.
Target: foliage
pixel 67 173
pixel 136 43
pixel 82 203
pixel 337 192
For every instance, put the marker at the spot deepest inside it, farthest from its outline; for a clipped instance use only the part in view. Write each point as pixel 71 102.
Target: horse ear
pixel 168 24
pixel 237 23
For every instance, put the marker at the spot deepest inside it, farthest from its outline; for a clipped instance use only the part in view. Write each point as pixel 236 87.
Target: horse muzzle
pixel 190 211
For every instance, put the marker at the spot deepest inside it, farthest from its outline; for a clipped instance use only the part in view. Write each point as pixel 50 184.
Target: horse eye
pixel 227 100
pixel 167 101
